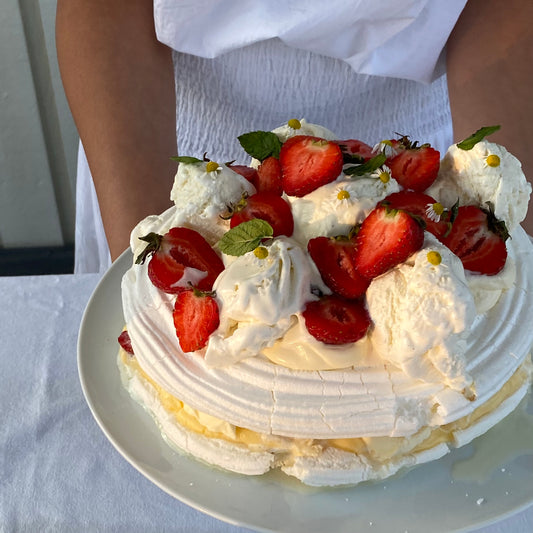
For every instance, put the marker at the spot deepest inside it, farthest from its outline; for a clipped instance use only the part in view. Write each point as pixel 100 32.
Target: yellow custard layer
pixel 375 449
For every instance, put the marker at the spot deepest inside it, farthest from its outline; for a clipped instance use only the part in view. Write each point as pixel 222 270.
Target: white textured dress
pixel 363 69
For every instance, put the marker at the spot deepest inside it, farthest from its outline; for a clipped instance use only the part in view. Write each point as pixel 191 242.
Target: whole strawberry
pixel 266 178
pixel 355 151
pixel 437 220
pixel 414 167
pixel 478 239
pixel 266 206
pixel 269 176
pixel 333 320
pixel 196 316
pixel 335 258
pixel 307 163
pixel 387 238
pixel 171 254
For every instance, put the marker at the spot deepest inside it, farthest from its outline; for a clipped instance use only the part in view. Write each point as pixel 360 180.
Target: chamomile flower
pixel 212 166
pixel 294 124
pixel 343 194
pixel 435 211
pixel 383 173
pixel 434 257
pixel 492 160
pixel 386 147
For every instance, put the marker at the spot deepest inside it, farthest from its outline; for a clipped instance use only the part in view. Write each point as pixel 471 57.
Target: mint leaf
pixel 186 159
pixel 260 144
pixel 479 135
pixel 245 237
pixel 368 167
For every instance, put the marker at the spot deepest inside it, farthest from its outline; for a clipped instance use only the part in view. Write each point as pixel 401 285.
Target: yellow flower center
pixel 438 208
pixel 434 258
pixel 343 195
pixel 261 252
pixel 294 123
pixel 493 160
pixel 384 177
pixel 211 166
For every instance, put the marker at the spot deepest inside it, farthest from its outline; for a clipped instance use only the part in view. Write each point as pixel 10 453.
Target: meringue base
pixel 315 462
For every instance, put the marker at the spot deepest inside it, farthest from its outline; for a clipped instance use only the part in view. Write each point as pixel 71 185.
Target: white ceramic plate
pixel 470 487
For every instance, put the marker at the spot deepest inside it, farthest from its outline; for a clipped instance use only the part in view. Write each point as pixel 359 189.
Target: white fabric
pixel 58 471
pixel 259 82
pixel 91 250
pixel 398 38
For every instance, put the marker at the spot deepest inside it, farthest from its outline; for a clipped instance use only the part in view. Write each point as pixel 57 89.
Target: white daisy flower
pixel 434 211
pixel 383 173
pixel 385 147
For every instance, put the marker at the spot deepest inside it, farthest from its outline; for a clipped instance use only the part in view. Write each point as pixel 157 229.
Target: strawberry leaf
pixel 368 167
pixel 186 159
pixel 479 135
pixel 245 237
pixel 260 144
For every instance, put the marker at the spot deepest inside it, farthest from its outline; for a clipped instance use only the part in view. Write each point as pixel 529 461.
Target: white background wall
pixel 38 140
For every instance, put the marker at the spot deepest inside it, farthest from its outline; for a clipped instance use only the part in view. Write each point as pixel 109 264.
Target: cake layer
pixel 315 462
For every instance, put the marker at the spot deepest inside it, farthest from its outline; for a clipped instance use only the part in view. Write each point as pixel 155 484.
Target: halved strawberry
pixel 307 163
pixel 355 151
pixel 175 251
pixel 267 206
pixel 387 238
pixel 418 204
pixel 195 316
pixel 269 177
pixel 335 259
pixel 333 320
pixel 478 239
pixel 125 342
pixel 414 167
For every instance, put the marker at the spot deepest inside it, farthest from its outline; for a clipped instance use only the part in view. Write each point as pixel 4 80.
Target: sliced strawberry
pixel 175 251
pixel 246 172
pixel 387 238
pixel 334 320
pixel 308 163
pixel 335 259
pixel 267 206
pixel 414 167
pixel 355 151
pixel 269 177
pixel 125 342
pixel 478 239
pixel 417 204
pixel 196 316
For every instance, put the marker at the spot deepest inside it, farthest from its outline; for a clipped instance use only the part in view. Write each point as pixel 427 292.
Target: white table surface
pixel 58 472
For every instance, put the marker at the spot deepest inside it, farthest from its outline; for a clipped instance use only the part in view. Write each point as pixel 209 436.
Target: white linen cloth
pixel 395 38
pixel 58 472
pixel 330 64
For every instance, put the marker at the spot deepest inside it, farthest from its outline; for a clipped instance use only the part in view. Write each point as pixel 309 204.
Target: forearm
pixel 119 83
pixel 490 75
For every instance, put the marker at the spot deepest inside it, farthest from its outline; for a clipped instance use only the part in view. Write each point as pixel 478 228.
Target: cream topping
pixel 421 314
pixel 259 296
pixel 467 175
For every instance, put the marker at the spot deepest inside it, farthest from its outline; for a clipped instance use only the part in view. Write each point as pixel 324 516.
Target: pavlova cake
pixel 335 310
